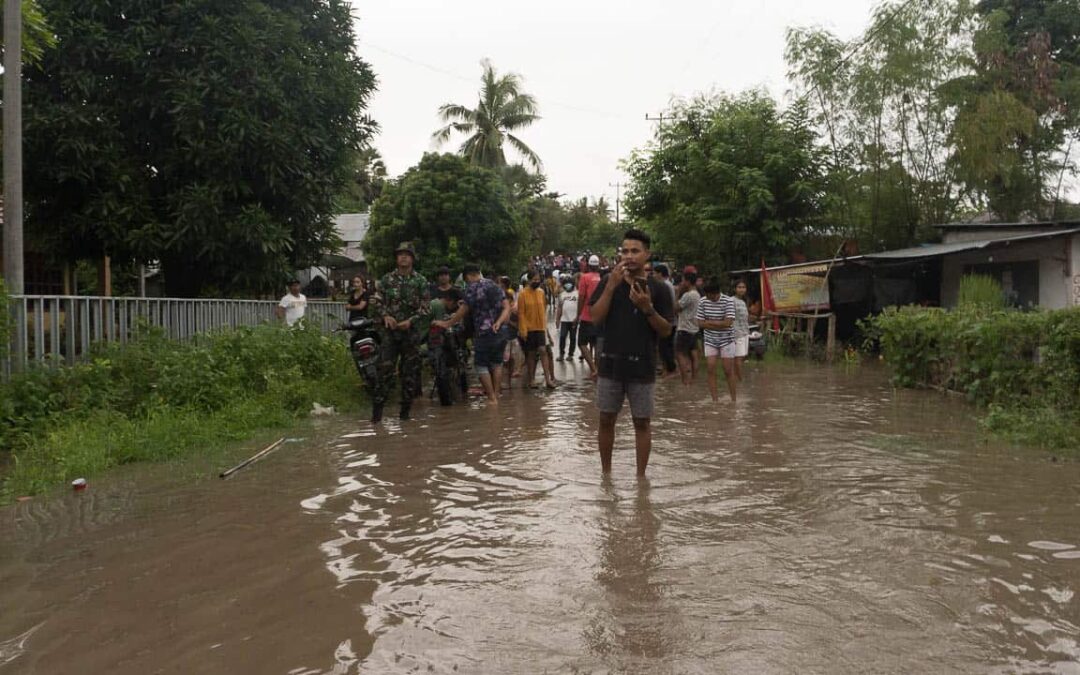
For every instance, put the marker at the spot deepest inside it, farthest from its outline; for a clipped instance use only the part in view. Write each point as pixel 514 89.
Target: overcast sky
pixel 596 67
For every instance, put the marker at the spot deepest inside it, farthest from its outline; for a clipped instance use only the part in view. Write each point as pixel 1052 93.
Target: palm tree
pixel 502 109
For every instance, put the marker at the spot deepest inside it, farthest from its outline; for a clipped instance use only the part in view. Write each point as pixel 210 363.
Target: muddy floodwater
pixel 825 524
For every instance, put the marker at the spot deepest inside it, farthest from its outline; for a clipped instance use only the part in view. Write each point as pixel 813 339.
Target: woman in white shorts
pixel 741 329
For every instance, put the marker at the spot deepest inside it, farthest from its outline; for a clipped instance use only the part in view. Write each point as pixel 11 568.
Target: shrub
pixel 1024 365
pixel 56 420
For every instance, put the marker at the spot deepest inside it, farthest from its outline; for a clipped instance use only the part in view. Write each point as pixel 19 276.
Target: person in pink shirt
pixel 586 330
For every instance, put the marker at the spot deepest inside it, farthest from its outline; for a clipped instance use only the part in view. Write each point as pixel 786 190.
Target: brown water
pixel 824 524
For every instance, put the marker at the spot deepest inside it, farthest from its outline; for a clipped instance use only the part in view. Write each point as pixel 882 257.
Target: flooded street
pixel 826 523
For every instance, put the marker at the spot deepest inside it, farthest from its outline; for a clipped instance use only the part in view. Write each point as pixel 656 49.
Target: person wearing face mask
pixel 566 315
pixel 532 329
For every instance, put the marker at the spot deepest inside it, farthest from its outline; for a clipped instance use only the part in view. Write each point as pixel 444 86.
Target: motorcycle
pixel 449 356
pixel 757 344
pixel 364 348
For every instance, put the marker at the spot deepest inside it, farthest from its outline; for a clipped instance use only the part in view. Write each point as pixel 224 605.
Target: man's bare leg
pixel 496 383
pixel 607 439
pixel 488 383
pixel 642 443
pixel 590 359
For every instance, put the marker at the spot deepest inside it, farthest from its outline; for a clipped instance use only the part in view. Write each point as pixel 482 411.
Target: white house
pixel 338 266
pixel 1037 264
pixel 352 227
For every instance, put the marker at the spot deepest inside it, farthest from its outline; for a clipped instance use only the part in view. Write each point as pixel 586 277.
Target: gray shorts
pixel 610 394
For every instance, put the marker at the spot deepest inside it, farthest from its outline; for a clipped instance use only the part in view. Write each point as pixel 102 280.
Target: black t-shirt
pixel 629 349
pixel 355 297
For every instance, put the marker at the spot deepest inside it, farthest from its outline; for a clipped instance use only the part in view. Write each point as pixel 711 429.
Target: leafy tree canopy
pixel 453 212
pixel 36 34
pixel 875 102
pixel 365 183
pixel 213 137
pixel 1019 104
pixel 733 179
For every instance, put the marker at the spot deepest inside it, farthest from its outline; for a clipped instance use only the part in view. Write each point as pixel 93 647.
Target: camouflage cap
pixel 407 247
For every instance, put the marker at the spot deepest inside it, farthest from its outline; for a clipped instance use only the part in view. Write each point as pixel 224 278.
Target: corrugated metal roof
pixel 926 250
pixel 977 225
pixel 935 250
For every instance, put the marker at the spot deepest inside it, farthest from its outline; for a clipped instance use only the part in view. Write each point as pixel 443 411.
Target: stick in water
pixel 265 451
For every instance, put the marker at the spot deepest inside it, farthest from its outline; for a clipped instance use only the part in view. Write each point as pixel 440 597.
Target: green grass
pixel 155 400
pixel 1044 428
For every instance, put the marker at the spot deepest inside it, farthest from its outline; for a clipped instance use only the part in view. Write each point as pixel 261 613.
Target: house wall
pixel 352 227
pixel 1059 269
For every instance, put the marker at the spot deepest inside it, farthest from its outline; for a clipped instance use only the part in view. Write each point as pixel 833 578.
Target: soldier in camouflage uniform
pixel 402 303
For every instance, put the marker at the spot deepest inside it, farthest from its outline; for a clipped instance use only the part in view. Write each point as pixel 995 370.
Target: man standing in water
pixel 687 328
pixel 490 309
pixel 402 303
pixel 629 309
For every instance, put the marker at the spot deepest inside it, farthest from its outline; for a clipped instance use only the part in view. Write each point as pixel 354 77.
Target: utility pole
pixel 13 199
pixel 661 118
pixel 618 198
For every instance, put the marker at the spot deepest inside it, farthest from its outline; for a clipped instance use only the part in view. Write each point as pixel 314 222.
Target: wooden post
pixel 830 341
pixel 105 277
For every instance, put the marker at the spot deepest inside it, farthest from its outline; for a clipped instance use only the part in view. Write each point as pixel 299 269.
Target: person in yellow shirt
pixel 532 329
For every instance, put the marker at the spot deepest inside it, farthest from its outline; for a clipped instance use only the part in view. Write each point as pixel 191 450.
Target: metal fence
pixel 61 328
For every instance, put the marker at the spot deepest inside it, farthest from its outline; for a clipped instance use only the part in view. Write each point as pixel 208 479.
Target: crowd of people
pixel 629 321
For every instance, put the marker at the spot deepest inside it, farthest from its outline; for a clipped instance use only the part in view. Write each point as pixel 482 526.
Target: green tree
pixel 213 137
pixel 36 33
pixel 1020 105
pixel 886 127
pixel 589 226
pixel 366 182
pixel 546 220
pixel 732 180
pixel 503 109
pixel 453 212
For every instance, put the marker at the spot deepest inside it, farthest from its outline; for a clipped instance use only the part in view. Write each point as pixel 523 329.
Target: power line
pixel 866 39
pixel 463 78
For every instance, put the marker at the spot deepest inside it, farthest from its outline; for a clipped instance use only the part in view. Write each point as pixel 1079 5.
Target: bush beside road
pixel 1024 367
pixel 154 399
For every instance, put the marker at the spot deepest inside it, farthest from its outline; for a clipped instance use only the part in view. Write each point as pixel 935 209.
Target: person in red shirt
pixel 586 330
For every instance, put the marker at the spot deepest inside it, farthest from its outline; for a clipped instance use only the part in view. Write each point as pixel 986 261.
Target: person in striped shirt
pixel 716 316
